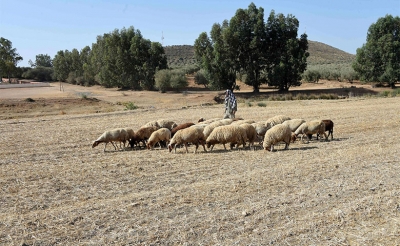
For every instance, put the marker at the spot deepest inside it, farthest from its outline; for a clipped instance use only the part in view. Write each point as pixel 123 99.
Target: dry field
pixel 56 190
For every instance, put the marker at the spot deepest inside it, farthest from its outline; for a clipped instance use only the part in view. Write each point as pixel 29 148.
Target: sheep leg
pixel 287 145
pixel 204 147
pixel 195 150
pixel 187 151
pixel 224 146
pixel 113 145
pixel 272 147
pixel 104 150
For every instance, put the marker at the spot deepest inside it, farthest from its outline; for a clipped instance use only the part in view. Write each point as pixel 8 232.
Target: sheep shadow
pixel 303 148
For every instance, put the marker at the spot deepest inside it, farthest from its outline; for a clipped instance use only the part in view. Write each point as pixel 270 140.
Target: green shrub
pixel 261 104
pixel 130 106
pixel 162 79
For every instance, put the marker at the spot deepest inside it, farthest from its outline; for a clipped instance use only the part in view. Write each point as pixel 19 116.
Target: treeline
pixel 122 58
pixel 337 72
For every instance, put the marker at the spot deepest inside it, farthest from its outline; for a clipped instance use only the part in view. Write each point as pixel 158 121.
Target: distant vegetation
pixel 324 62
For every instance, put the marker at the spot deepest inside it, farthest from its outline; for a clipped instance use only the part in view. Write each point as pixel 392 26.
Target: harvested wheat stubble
pixel 56 189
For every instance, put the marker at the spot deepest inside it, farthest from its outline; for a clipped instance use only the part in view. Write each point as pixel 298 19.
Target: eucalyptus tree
pixel 215 57
pixel 246 38
pixel 42 60
pixel 287 54
pixel 62 65
pixel 9 58
pixel 379 58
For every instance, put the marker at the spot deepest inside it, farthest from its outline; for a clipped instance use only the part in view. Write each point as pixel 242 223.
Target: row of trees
pixel 246 47
pixel 256 51
pixel 122 58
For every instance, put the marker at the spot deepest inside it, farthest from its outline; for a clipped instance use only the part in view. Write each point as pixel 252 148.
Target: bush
pixel 170 79
pixel 178 80
pixel 162 78
pixel 261 104
pixel 201 79
pixel 130 106
pixel 39 74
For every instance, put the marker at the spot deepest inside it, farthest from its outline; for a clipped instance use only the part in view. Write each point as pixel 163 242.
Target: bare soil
pixel 57 190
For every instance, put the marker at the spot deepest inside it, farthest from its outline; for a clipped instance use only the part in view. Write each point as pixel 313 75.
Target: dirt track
pixel 56 189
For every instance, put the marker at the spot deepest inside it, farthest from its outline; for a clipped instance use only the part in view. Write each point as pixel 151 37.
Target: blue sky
pixel 47 26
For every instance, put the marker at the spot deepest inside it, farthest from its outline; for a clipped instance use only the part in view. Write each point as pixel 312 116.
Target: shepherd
pixel 230 105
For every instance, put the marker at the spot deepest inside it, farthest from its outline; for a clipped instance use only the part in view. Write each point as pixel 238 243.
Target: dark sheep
pixel 180 127
pixel 328 127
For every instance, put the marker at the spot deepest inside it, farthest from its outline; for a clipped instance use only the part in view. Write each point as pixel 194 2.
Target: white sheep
pixel 188 135
pixel 275 135
pixel 208 129
pixel 226 121
pixel 293 124
pixel 227 134
pixel 239 122
pixel 311 127
pixel 209 121
pixel 261 129
pixel 170 124
pixel 117 135
pixel 162 134
pixel 153 123
pixel 250 133
pixel 278 119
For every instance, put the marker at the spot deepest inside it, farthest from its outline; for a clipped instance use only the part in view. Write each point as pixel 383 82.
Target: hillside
pixel 320 53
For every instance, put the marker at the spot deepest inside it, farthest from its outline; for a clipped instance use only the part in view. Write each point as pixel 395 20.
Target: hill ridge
pixel 320 53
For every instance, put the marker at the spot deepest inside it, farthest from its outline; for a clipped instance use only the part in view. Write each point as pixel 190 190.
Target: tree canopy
pixel 9 57
pixel 379 58
pixel 264 52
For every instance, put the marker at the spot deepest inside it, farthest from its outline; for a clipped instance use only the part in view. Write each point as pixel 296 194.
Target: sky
pixel 48 26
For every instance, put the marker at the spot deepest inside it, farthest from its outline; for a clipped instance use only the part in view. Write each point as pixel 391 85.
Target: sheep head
pixel 95 143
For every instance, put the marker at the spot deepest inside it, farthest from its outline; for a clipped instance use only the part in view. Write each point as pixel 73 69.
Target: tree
pixel 125 59
pixel 215 57
pixel 262 52
pixel 9 57
pixel 287 53
pixel 379 58
pixel 246 37
pixel 42 61
pixel 62 65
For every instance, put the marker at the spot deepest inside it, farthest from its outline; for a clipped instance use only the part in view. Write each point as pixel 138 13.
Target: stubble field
pixel 57 190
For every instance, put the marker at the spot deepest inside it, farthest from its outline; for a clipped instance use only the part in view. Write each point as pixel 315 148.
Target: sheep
pixel 162 134
pixel 208 129
pixel 239 122
pixel 180 127
pixel 142 135
pixel 278 119
pixel 293 124
pixel 311 127
pixel 226 121
pixel 328 127
pixel 200 126
pixel 209 121
pixel 226 134
pixel 261 129
pixel 250 133
pixel 275 135
pixel 169 124
pixel 110 136
pixel 151 123
pixel 188 135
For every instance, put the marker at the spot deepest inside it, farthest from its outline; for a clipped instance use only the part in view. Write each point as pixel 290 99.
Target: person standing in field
pixel 230 105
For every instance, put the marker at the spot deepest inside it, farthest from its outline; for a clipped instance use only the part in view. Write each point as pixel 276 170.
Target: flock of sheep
pixel 235 132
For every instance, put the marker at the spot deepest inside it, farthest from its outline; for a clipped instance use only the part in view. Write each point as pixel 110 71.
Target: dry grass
pixel 56 189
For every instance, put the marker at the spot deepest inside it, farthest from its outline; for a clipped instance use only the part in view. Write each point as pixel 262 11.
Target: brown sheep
pixel 180 127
